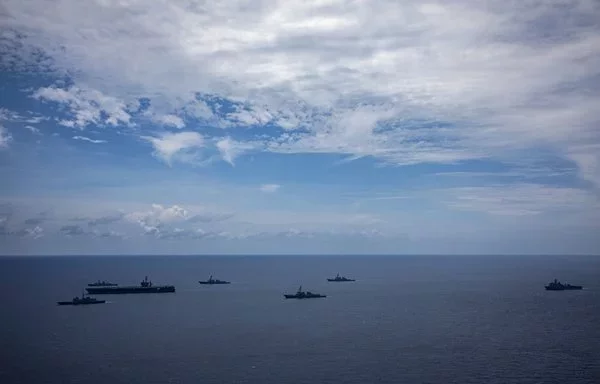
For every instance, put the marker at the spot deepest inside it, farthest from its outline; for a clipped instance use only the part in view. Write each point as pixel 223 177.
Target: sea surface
pixel 407 319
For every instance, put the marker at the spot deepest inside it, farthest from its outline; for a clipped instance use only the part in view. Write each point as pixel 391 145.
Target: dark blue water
pixel 419 319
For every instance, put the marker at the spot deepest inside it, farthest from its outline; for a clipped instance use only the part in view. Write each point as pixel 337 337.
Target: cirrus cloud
pixel 93 141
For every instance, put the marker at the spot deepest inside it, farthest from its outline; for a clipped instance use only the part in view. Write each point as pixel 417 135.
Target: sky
pixel 299 127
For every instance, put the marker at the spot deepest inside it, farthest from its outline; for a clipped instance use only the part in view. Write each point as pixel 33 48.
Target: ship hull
pixel 72 303
pixel 340 281
pixel 304 297
pixel 127 290
pixel 207 283
pixel 571 288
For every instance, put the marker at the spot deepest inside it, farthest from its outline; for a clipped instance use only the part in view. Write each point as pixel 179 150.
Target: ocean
pixel 407 319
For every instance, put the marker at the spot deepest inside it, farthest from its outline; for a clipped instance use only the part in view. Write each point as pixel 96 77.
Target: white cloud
pixel 5 138
pixel 231 149
pixel 33 129
pixel 157 216
pixel 83 138
pixel 249 115
pixel 8 115
pixel 13 116
pixel 156 221
pixel 182 146
pixel 159 222
pixel 34 233
pixel 87 105
pixel 199 109
pixel 270 188
pixel 170 120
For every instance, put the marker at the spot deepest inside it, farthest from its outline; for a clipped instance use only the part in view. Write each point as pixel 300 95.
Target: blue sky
pixel 299 127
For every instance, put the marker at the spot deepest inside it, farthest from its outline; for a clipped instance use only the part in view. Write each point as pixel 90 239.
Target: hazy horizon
pixel 341 255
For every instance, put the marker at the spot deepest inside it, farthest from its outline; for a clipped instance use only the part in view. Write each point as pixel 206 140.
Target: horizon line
pixel 302 255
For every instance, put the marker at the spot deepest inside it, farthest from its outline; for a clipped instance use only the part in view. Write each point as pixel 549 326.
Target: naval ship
pixel 211 281
pixel 558 286
pixel 102 284
pixel 303 295
pixel 144 287
pixel 81 301
pixel 339 278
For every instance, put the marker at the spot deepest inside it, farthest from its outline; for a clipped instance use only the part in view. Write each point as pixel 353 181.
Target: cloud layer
pixel 195 223
pixel 406 83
